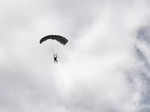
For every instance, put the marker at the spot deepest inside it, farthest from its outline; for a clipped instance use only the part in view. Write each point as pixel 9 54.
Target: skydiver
pixel 55 58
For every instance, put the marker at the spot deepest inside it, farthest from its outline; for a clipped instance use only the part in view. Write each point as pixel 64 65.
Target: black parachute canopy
pixel 58 38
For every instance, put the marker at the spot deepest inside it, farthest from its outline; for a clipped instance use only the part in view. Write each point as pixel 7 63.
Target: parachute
pixel 62 40
pixel 58 38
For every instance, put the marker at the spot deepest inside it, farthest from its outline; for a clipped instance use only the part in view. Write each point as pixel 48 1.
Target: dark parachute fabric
pixel 58 38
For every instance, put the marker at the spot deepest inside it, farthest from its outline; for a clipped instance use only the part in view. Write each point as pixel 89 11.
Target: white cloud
pixel 99 69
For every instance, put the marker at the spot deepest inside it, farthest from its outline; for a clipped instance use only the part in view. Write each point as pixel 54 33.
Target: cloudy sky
pixel 105 66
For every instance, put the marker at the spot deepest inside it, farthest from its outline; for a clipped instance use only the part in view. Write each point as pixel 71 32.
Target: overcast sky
pixel 105 66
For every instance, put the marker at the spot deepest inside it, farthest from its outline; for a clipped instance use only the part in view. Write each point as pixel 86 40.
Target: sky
pixel 103 68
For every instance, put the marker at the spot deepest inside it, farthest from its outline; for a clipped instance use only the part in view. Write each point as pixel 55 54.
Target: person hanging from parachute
pixel 62 40
pixel 55 58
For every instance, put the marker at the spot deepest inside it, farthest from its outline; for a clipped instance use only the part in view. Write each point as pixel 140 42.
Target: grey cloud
pixel 143 38
pixel 144 34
